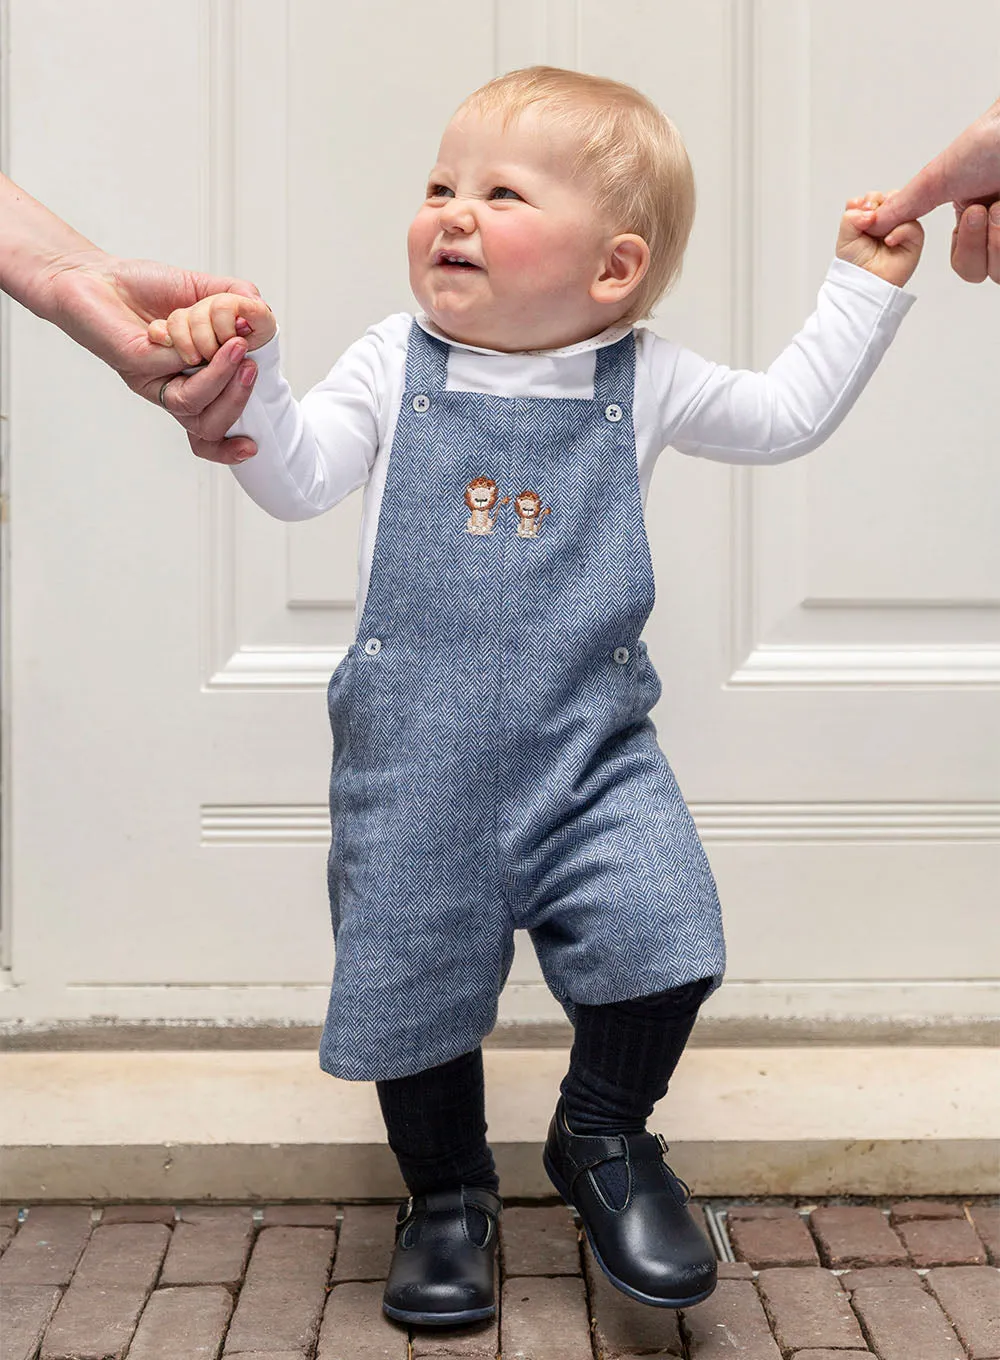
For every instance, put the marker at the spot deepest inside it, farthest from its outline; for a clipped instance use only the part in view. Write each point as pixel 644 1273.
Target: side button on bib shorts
pixel 495 766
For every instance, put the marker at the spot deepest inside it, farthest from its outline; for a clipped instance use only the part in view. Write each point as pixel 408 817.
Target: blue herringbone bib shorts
pixel 494 763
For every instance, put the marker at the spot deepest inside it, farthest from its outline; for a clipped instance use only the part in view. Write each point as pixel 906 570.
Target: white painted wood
pixel 826 630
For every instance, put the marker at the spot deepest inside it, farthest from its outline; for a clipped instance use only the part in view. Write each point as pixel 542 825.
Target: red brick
pixel 904 1324
pixel 93 1322
pixel 909 1209
pixel 808 1308
pixel 8 1215
pixel 943 1243
pixel 25 1310
pixel 729 1324
pixel 544 1319
pixel 209 1251
pixel 355 1327
pixel 734 1270
pixel 301 1215
pixel 365 1246
pixel 542 1241
pixel 970 1295
pixel 282 1298
pixel 822 1355
pixel 123 1254
pixel 986 1219
pixel 474 1341
pixel 47 1246
pixel 850 1235
pixel 738 1212
pixel 622 1325
pixel 137 1213
pixel 182 1322
pixel 773 1240
pixel 896 1276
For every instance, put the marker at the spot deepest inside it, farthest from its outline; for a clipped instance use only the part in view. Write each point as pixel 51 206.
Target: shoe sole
pixel 440 1319
pixel 652 1299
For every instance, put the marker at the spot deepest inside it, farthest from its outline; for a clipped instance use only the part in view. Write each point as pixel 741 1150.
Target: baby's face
pixel 503 201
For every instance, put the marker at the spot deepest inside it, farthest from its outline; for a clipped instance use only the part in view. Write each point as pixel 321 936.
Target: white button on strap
pixel 421 403
pixel 621 655
pixel 373 645
pixel 613 412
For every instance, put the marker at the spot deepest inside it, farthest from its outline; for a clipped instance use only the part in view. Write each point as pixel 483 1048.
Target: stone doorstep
pixel 271 1125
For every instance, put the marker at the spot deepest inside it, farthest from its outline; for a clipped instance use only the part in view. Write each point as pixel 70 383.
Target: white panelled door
pixel 826 630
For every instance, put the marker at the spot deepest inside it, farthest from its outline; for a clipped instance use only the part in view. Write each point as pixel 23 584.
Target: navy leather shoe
pixel 440 1274
pixel 650 1248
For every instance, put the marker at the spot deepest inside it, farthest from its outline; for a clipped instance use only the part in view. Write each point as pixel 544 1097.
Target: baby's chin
pixel 470 324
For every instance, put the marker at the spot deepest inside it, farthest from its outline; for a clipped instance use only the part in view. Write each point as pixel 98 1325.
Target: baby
pixel 495 766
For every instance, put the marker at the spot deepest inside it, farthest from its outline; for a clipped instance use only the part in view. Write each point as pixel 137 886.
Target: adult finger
pixel 236 449
pixel 206 434
pixel 188 395
pixel 221 414
pixel 216 405
pixel 926 190
pixel 969 244
pixel 207 284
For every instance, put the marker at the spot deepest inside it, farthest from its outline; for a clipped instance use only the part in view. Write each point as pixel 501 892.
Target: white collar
pixel 606 337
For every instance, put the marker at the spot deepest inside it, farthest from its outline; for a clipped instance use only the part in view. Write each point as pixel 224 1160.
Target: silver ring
pixel 163 387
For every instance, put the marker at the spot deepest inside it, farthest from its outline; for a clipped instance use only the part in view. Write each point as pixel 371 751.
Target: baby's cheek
pixel 548 261
pixel 419 238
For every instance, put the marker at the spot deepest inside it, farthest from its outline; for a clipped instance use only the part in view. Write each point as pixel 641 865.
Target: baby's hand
pixel 893 259
pixel 197 332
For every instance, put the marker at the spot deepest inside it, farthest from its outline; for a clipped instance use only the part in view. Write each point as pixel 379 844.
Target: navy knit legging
pixel 623 1056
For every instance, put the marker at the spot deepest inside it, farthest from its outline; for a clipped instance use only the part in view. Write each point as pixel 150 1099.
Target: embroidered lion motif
pixel 480 497
pixel 528 505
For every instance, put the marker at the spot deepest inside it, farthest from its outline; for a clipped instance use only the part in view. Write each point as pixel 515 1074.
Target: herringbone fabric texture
pixel 495 766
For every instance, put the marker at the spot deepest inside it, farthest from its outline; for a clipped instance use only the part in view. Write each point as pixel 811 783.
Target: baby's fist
pixel 893 259
pixel 197 332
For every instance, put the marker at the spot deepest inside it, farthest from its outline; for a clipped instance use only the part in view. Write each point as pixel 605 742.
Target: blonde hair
pixel 630 151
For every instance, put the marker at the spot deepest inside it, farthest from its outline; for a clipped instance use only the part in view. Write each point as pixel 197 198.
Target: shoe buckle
pixel 664 1145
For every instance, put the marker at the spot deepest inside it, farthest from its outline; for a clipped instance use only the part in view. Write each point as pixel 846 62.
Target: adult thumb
pixel 207 284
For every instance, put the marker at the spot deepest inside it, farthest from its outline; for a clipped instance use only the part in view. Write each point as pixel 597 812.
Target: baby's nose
pixel 457 210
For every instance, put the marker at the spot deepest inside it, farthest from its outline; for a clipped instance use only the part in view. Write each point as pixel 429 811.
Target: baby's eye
pixel 502 189
pixel 437 190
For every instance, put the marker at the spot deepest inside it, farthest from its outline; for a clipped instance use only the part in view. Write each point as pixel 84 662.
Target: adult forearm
pixel 33 242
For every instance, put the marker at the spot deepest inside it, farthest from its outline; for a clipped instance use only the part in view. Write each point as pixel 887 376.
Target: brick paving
pixel 838 1280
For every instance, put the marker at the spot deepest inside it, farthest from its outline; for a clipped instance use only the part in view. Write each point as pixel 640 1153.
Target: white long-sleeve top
pixel 314 452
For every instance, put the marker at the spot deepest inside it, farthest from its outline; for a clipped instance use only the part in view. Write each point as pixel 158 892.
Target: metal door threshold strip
pixel 716 1221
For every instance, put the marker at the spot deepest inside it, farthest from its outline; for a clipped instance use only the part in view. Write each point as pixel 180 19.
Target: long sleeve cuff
pixel 897 301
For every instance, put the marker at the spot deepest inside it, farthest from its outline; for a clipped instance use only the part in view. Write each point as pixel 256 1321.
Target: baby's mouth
pixel 454 261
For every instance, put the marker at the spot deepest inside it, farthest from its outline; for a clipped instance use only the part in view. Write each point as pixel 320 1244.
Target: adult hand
pixel 106 304
pixel 966 173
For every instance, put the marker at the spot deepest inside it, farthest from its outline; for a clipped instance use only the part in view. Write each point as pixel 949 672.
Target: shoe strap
pixel 584 1150
pixel 450 1201
pixel 653 1147
pixel 483 1198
